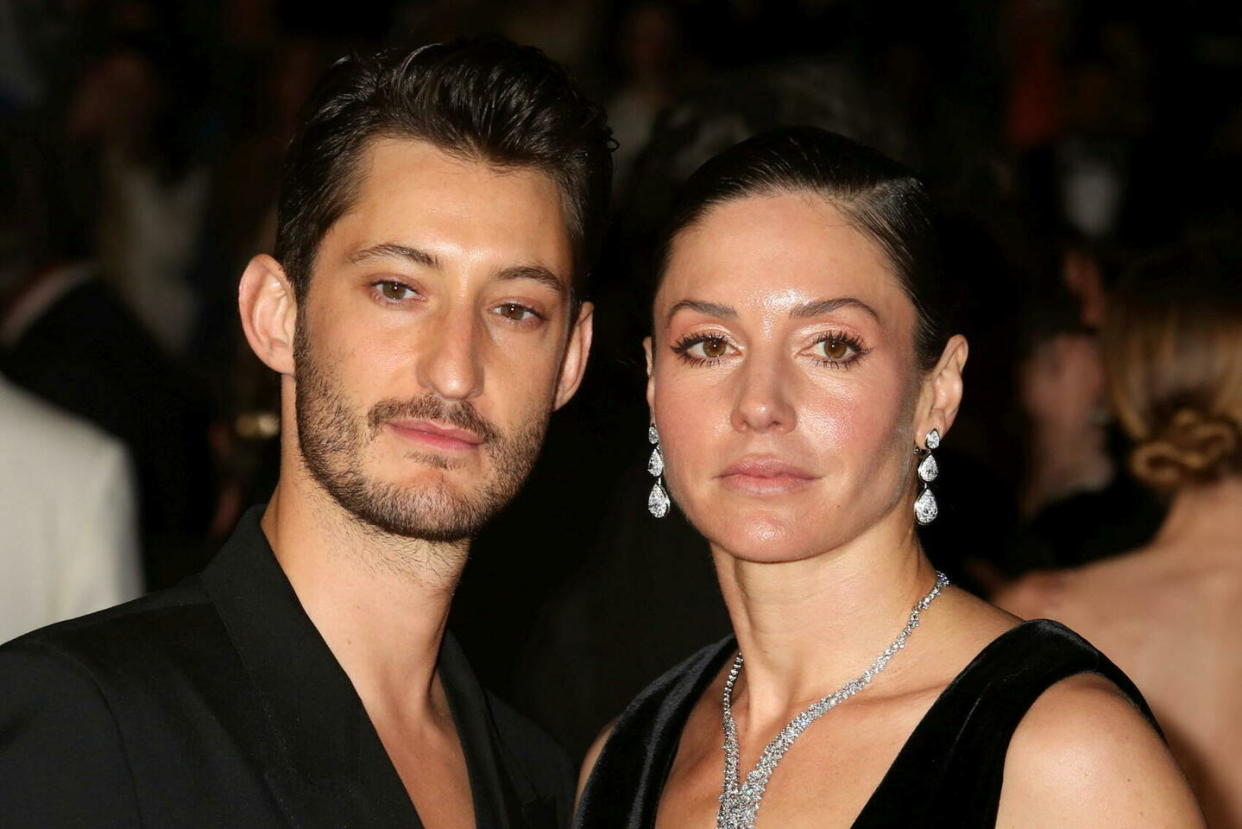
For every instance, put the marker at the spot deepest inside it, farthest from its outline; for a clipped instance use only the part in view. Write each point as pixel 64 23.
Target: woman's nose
pixel 763 397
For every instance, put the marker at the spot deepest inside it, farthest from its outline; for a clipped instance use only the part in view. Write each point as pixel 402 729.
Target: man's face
pixel 431 338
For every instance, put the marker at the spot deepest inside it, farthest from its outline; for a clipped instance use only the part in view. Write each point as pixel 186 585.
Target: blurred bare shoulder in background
pixel 1166 612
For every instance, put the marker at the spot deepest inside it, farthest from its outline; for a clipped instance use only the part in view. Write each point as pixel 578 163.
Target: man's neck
pixel 380 602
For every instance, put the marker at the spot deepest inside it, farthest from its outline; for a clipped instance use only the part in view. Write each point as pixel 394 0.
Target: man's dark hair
pixel 485 99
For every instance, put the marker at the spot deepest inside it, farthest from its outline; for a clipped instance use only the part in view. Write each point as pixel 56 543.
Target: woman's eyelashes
pixel 838 350
pixel 834 349
pixel 703 349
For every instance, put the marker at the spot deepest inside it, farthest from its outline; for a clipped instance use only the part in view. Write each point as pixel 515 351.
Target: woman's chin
pixel 765 540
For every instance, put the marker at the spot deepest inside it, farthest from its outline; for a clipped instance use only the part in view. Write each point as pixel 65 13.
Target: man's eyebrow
pixel 712 309
pixel 536 272
pixel 827 306
pixel 390 250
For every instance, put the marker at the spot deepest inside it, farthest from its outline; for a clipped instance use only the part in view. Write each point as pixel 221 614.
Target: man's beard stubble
pixel 332 439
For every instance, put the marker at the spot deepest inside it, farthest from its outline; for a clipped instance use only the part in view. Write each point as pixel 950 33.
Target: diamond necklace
pixel 739 801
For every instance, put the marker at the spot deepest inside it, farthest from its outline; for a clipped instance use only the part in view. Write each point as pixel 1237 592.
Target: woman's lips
pixel 435 435
pixel 766 476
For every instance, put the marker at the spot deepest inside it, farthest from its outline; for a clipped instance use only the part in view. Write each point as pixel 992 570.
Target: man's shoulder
pixel 139 636
pixel 142 713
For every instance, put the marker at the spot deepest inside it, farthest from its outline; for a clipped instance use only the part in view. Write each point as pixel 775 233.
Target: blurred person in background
pixel 649 71
pixel 1077 500
pixel 130 117
pixel 69 511
pixel 1167 612
pixel 67 337
pixel 68 516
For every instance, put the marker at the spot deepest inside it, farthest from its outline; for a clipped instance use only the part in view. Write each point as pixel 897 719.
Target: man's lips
pixel 437 435
pixel 765 476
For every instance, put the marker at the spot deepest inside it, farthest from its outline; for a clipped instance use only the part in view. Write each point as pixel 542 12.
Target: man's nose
pixel 450 363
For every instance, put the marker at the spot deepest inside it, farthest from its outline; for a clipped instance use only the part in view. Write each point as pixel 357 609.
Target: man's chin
pixel 417 511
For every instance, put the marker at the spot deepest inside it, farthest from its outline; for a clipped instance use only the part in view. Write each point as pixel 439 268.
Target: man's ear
pixel 942 390
pixel 268 312
pixel 577 350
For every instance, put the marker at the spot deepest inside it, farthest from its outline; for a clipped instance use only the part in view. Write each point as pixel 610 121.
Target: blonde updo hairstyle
pixel 1172 345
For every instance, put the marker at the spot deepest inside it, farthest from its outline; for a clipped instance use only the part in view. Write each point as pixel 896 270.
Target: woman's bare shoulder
pixel 1085 756
pixel 1036 595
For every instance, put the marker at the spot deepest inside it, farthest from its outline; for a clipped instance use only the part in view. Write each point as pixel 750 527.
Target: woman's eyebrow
pixel 710 308
pixel 827 306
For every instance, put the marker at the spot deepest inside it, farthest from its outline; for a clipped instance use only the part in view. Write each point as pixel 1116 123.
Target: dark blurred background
pixel 142 145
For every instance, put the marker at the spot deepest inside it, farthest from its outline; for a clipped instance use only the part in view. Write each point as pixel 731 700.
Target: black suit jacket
pixel 217 704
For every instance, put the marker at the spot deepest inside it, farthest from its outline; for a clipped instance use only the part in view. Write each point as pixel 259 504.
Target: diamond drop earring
pixel 925 507
pixel 657 501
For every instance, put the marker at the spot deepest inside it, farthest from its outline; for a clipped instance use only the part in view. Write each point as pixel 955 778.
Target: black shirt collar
pixel 320 743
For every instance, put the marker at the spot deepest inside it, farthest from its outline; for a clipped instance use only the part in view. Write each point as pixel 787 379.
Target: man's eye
pixel 514 311
pixel 395 291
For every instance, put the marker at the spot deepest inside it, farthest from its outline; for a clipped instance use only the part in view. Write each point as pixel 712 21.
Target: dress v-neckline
pixel 908 754
pixel 728 647
pixel 947 773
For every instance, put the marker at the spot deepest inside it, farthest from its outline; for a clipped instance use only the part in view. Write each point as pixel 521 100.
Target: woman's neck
pixel 1204 520
pixel 807 627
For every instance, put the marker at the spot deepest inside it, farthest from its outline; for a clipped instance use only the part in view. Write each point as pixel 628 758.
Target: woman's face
pixel 783 378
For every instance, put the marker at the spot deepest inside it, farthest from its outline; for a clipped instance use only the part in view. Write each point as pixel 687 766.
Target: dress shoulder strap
pixel 950 770
pixel 624 787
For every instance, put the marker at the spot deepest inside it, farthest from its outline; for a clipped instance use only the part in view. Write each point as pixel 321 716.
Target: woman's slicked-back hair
pixel 1172 346
pixel 481 99
pixel 882 198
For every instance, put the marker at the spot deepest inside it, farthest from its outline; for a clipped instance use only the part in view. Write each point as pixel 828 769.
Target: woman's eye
pixel 395 291
pixel 714 347
pixel 835 349
pixel 515 312
pixel 704 348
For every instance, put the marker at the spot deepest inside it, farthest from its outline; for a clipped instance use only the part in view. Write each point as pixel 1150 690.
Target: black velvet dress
pixel 948 773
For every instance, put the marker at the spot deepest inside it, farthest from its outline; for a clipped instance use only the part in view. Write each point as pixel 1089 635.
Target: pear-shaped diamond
pixel 928 470
pixel 933 440
pixel 655 464
pixel 925 508
pixel 652 435
pixel 657 501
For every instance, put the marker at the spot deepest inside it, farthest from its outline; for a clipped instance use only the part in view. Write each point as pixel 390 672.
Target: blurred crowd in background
pixel 141 153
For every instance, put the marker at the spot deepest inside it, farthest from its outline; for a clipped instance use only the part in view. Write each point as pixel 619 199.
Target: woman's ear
pixel 268 312
pixel 942 390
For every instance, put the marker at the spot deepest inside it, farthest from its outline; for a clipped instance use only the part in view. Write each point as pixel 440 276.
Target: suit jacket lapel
pixel 319 748
pixel 503 795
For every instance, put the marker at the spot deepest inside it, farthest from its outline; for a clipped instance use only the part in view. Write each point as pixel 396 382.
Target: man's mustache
pixel 431 407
